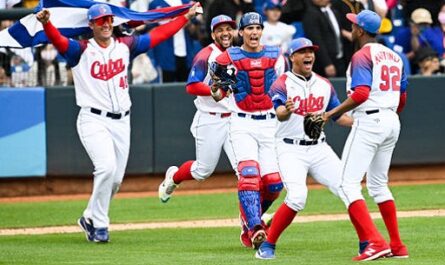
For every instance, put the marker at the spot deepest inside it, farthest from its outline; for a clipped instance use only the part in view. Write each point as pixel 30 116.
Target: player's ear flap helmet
pixel 251 18
pixel 99 10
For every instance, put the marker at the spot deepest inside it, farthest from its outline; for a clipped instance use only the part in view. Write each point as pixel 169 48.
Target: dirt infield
pixel 148 184
pixel 206 223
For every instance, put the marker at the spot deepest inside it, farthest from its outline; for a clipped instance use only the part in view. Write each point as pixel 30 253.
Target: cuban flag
pixel 70 17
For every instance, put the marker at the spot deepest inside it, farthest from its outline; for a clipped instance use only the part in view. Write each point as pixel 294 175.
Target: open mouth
pixel 307 62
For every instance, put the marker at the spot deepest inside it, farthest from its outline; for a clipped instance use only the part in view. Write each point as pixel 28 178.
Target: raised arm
pixel 53 34
pixel 164 32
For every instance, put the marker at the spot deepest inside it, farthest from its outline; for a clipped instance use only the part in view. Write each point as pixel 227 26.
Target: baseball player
pixel 100 67
pixel 210 125
pixel 252 124
pixel 377 83
pixel 295 94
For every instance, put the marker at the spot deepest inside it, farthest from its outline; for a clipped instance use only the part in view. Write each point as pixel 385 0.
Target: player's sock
pixel 281 220
pixel 360 232
pixel 358 211
pixel 184 172
pixel 389 215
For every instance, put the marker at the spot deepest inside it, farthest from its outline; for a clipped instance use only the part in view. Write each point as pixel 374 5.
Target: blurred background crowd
pixel 415 29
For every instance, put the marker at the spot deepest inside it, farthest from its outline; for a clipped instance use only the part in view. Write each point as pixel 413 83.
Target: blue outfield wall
pixel 22 132
pixel 161 117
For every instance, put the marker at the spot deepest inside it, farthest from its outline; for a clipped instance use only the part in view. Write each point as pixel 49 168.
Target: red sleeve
pixel 54 36
pixel 361 94
pixel 198 89
pixel 402 102
pixel 163 32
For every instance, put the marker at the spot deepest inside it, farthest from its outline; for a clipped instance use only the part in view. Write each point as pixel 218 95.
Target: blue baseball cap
pixel 271 4
pixel 99 10
pixel 367 20
pixel 300 43
pixel 220 20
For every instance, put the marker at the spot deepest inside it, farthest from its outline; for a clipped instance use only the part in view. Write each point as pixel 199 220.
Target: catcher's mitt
pixel 313 125
pixel 224 76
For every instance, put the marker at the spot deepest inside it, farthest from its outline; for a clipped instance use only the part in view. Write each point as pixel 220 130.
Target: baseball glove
pixel 223 75
pixel 313 125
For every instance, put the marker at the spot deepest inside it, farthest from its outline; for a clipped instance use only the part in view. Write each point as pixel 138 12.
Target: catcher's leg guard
pixel 270 190
pixel 249 184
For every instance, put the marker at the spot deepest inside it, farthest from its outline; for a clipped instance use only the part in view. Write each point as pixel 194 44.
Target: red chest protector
pixel 256 73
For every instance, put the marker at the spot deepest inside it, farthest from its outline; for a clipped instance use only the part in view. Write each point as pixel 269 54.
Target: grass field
pixel 309 243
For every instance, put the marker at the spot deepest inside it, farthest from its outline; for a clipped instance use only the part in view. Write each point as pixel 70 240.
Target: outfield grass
pixel 310 243
pixel 208 206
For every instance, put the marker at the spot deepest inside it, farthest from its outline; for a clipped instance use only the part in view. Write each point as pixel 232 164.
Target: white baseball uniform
pixel 253 122
pixel 376 127
pixel 298 154
pixel 103 124
pixel 210 126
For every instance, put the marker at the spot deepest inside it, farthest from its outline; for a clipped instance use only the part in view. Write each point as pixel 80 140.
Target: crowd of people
pixel 413 29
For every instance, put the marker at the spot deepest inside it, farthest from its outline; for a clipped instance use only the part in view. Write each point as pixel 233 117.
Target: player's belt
pixel 303 142
pixel 114 116
pixel 257 117
pixel 372 111
pixel 222 115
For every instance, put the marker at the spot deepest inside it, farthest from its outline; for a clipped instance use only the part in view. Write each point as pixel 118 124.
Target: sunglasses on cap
pixel 102 20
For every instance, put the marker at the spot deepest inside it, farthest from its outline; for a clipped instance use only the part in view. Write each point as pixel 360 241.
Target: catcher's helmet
pixel 99 10
pixel 251 18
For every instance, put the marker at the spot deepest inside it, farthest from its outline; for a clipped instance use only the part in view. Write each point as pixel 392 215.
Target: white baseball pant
pixel 107 143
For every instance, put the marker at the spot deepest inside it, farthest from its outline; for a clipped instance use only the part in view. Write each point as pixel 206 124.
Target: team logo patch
pixel 107 71
pixel 255 63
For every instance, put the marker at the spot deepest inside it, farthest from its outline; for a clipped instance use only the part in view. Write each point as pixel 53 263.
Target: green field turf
pixel 309 243
pixel 208 206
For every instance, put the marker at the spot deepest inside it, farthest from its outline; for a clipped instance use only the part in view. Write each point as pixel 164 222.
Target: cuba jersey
pixel 100 73
pixel 381 69
pixel 200 73
pixel 315 95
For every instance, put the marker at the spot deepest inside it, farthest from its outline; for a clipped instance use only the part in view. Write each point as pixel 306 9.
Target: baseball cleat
pixel 266 251
pixel 398 252
pixel 168 185
pixel 258 237
pixel 86 225
pixel 101 235
pixel 373 251
pixel 244 236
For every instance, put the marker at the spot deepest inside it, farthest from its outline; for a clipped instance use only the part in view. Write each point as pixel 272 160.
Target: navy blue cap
pixel 367 20
pixel 220 20
pixel 99 10
pixel 300 43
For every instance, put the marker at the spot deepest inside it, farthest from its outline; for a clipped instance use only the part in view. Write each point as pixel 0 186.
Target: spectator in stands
pixel 440 31
pixel 276 33
pixel 432 6
pixel 344 7
pixel 427 61
pixel 386 38
pixel 422 34
pixel 4 79
pixel 22 73
pixel 322 27
pixel 174 56
pixel 48 73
